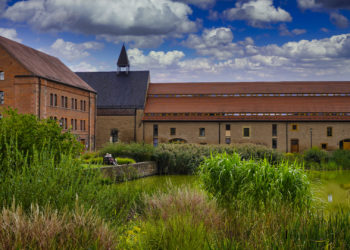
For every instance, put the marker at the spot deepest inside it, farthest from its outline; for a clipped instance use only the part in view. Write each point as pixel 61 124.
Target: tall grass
pixel 49 229
pixel 257 183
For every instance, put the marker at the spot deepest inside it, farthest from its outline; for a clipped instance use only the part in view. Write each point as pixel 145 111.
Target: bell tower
pixel 123 62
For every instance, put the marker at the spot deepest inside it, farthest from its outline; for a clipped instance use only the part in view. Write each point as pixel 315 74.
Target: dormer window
pixel 2 75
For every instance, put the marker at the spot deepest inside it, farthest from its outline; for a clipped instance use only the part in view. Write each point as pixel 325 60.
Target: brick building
pixel 36 83
pixel 120 106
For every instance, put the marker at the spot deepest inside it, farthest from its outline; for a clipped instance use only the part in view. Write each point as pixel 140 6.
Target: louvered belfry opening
pixel 123 64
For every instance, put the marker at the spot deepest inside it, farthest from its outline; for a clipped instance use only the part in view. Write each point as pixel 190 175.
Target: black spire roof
pixel 123 60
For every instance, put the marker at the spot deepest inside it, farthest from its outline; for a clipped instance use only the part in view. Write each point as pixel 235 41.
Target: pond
pixel 332 187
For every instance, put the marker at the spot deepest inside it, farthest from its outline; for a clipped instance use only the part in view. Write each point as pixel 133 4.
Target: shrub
pixel 22 134
pixel 315 155
pixel 255 183
pixel 185 158
pixel 136 151
pixel 341 158
pixel 122 161
pixel 48 229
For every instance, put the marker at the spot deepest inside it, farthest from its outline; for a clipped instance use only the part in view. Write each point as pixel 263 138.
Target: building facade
pixel 36 83
pixel 120 106
pixel 286 116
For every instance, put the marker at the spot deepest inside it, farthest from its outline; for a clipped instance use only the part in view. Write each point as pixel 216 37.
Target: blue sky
pixel 190 40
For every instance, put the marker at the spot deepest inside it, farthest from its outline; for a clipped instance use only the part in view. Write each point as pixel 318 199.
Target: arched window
pixel 114 135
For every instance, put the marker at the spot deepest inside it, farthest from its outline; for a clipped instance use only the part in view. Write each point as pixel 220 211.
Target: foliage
pixel 22 134
pixel 341 158
pixel 48 229
pixel 122 161
pixel 255 183
pixel 315 155
pixel 138 152
pixel 185 158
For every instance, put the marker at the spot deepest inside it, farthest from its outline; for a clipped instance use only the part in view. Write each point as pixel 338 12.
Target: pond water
pixel 331 187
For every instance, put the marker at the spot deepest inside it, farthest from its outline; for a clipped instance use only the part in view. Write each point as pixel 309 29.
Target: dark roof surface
pixel 123 60
pixel 118 91
pixel 43 65
pixel 249 87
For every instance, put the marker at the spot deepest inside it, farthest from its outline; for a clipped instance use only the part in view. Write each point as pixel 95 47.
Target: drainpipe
pixel 135 125
pixel 286 137
pixel 219 133
pixel 39 99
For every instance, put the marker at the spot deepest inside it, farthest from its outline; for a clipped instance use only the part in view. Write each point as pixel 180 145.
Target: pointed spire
pixel 123 60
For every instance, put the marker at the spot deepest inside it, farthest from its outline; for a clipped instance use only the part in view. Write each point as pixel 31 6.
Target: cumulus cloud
pixel 155 59
pixel 284 31
pixel 83 67
pixel 107 17
pixel 319 59
pixel 339 20
pixel 204 4
pixel 257 12
pixel 10 34
pixel 73 51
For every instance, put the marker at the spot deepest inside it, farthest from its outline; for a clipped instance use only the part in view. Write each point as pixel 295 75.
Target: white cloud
pixel 339 20
pixel 331 4
pixel 204 4
pixel 150 41
pixel 10 34
pixel 308 4
pixel 73 51
pixel 321 59
pixel 82 67
pixel 257 13
pixel 155 59
pixel 105 17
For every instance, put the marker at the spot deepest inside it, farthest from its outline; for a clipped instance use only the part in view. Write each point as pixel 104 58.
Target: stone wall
pixel 130 171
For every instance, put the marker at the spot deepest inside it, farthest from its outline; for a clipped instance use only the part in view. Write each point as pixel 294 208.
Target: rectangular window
pixel 172 131
pixel 294 127
pixel 62 101
pixel 55 100
pixel 81 125
pixel 72 123
pixel 2 75
pixel 72 103
pixel 155 130
pixel 81 105
pixel 75 103
pixel 202 132
pixel 228 127
pixel 2 97
pixel 329 131
pixel 155 142
pixel 274 129
pixel 274 143
pixel 51 99
pixel 228 140
pixel 66 101
pixel 324 146
pixel 246 132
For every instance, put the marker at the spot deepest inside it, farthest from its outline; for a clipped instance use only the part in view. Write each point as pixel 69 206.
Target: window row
pixel 64 102
pixel 73 123
pixel 249 95
pixel 252 114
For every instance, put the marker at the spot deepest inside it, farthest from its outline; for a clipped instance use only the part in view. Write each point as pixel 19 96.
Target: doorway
pixel 294 148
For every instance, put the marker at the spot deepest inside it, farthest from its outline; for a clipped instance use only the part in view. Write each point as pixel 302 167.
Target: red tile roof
pixel 249 87
pixel 43 65
pixel 246 104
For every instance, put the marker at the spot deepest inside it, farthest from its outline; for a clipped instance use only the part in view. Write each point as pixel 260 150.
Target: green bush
pixel 122 161
pixel 341 158
pixel 22 134
pixel 315 155
pixel 138 152
pixel 255 183
pixel 185 158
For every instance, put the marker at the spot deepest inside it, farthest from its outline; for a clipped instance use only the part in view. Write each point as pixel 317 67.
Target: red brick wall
pixel 32 95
